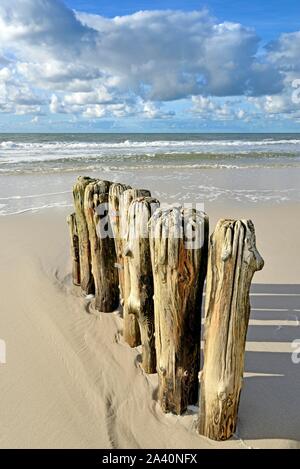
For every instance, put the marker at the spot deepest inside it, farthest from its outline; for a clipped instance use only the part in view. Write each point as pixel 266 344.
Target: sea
pixel 37 170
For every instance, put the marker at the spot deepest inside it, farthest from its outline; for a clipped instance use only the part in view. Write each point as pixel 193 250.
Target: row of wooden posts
pixel 155 261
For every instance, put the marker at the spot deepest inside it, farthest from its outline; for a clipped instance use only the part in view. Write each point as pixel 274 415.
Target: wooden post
pixel 140 299
pixel 131 326
pixel 115 191
pixel 233 259
pixel 74 248
pixel 178 242
pixel 86 277
pixel 102 246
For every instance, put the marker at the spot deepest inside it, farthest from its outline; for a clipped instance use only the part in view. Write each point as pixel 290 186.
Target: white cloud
pixel 5 74
pixel 109 110
pixel 92 66
pixel 177 54
pixel 211 108
pixel 284 52
pixel 240 114
pixel 151 110
pixel 277 105
pixel 99 96
pixel 54 104
pixel 16 96
pixel 41 27
pixel 95 111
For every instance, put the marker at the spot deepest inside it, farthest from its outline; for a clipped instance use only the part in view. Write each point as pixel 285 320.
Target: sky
pixel 149 66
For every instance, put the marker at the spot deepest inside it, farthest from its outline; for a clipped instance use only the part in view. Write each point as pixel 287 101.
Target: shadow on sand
pixel 270 400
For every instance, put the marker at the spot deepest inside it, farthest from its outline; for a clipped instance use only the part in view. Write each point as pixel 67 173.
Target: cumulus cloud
pixel 93 66
pixel 173 54
pixel 40 26
pixel 110 110
pixel 153 111
pixel 55 106
pixel 209 108
pixel 16 96
pixel 81 98
pixel 284 55
pixel 284 52
pixel 282 105
pixel 94 106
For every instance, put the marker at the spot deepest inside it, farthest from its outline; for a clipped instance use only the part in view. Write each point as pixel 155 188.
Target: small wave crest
pixel 8 145
pixel 33 196
pixel 73 145
pixel 37 208
pixel 18 155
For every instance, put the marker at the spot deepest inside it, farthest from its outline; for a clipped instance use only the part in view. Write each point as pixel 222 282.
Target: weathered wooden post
pixel 102 244
pixel 140 299
pixel 178 242
pixel 74 248
pixel 86 277
pixel 131 325
pixel 233 259
pixel 115 191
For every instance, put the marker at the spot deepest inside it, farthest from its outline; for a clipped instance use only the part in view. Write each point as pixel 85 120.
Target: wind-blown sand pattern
pixel 71 381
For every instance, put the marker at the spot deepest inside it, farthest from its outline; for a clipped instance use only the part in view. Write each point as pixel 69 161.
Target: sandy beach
pixel 70 381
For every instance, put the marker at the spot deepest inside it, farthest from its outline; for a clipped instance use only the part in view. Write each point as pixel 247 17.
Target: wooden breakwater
pixel 128 250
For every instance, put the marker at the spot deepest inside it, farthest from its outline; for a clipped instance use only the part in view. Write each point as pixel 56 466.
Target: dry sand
pixel 71 382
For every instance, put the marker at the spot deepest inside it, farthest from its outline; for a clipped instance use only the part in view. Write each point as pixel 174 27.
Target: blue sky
pixel 269 17
pixel 218 66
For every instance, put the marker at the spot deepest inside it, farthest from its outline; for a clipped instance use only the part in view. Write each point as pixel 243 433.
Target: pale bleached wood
pixel 102 245
pixel 131 326
pixel 86 277
pixel 178 242
pixel 74 242
pixel 115 191
pixel 233 259
pixel 140 299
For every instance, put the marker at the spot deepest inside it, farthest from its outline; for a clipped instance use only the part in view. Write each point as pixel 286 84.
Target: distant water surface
pixel 243 167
